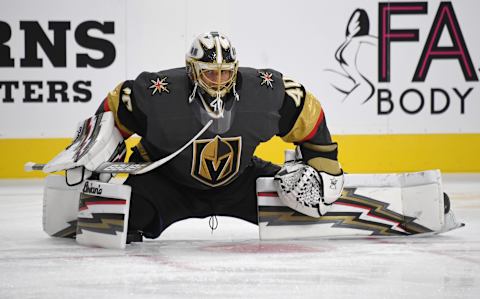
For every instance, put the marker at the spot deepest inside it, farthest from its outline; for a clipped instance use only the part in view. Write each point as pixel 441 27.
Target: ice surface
pixel 188 261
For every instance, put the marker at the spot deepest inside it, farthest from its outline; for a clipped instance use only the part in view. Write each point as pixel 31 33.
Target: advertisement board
pixel 379 68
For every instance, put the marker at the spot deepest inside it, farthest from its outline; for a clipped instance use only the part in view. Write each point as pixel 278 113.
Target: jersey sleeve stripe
pixel 307 122
pixel 315 128
pixel 105 105
pixel 322 148
pixel 325 164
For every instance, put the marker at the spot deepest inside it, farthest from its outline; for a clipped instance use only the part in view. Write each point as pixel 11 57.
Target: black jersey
pixel 156 106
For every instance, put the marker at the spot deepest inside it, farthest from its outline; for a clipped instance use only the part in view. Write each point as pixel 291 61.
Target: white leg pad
pixel 103 215
pixel 370 205
pixel 60 207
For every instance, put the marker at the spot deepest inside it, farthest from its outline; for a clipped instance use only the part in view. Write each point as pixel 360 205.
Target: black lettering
pixel 434 91
pixel 89 42
pixel 462 98
pixel 404 94
pixel 8 90
pixel 34 35
pixel 5 35
pixel 77 87
pixel 29 91
pixel 91 189
pixel 384 96
pixel 57 87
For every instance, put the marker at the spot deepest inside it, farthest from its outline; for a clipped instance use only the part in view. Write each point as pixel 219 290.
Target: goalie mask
pixel 212 67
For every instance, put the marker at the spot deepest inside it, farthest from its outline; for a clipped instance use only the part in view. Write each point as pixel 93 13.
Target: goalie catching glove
pixel 306 190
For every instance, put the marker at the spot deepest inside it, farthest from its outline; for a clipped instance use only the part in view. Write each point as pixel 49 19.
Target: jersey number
pixel 294 91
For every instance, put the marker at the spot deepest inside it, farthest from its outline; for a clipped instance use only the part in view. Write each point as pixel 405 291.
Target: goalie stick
pixel 130 167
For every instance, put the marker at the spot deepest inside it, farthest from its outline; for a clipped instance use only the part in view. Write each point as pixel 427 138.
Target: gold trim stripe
pixel 143 152
pixel 320 148
pixel 104 224
pixel 345 220
pixel 306 121
pixel 113 99
pixel 326 165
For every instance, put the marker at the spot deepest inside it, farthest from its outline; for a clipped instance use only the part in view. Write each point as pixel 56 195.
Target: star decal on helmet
pixel 159 85
pixel 266 79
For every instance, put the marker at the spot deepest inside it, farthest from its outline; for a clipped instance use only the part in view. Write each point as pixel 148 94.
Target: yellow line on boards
pixel 357 153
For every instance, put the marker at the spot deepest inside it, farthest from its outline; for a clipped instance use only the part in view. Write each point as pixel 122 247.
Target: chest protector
pixel 223 152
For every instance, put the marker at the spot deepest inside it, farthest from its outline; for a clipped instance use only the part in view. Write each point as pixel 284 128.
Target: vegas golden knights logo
pixel 217 160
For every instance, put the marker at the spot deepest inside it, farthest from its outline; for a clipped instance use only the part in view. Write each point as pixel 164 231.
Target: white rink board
pixel 301 40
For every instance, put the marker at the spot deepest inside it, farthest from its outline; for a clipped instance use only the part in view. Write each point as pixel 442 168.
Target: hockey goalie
pixel 199 127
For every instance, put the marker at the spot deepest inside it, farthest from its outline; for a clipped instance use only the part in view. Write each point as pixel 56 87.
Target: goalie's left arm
pixel 303 123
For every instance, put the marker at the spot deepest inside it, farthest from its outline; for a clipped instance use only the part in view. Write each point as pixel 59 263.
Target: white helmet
pixel 212 65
